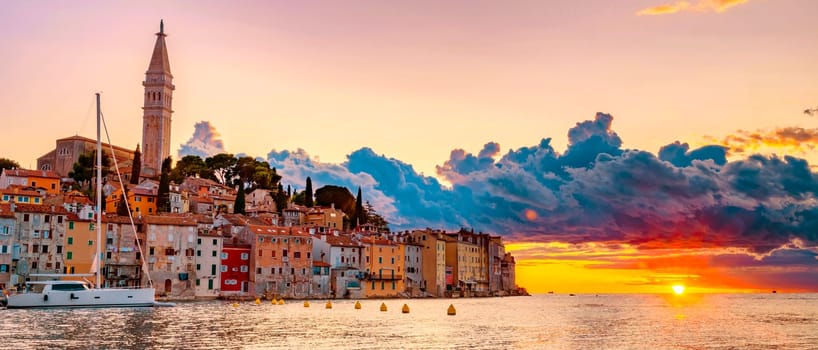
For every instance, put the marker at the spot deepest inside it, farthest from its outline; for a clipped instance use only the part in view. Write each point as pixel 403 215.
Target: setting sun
pixel 678 289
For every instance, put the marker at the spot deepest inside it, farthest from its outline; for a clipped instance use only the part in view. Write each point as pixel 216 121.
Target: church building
pixel 156 123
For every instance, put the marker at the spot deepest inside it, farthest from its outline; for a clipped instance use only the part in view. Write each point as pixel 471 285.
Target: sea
pixel 550 321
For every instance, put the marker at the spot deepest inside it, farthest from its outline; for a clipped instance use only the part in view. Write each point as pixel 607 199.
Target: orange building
pixel 47 180
pixel 283 261
pixel 141 198
pixel 383 265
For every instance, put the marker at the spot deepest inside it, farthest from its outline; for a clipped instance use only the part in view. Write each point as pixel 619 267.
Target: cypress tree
pixel 360 215
pixel 308 199
pixel 238 207
pixel 163 196
pixel 121 206
pixel 136 166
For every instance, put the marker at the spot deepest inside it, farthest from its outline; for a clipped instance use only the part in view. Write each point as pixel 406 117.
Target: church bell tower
pixel 156 115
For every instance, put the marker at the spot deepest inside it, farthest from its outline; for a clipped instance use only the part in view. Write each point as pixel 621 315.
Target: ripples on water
pixel 540 322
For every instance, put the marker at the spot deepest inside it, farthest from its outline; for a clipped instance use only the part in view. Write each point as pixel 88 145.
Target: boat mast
pixel 99 195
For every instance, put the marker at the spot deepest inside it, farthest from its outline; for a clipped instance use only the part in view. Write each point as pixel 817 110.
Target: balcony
pixel 387 276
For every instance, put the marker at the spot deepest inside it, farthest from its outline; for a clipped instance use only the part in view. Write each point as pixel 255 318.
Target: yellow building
pixel 434 259
pixel 326 217
pixel 20 195
pixel 80 245
pixel 383 265
pixel 466 257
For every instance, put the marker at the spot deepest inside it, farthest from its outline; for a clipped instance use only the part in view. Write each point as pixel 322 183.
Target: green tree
pixel 281 198
pixel 190 166
pixel 136 166
pixel 222 165
pixel 255 174
pixel 238 207
pixel 336 195
pixel 84 170
pixel 308 196
pixel 6 163
pixel 300 198
pixel 122 206
pixel 375 219
pixel 163 194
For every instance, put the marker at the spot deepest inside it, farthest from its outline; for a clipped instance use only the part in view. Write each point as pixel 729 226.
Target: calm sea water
pixel 775 321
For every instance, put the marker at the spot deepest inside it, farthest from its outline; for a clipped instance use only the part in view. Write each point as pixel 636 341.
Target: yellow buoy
pixel 306 303
pixel 273 301
pixel 235 304
pixel 451 311
pixel 405 309
pixel 258 301
pixel 281 301
pixel 357 305
pixel 329 305
pixel 383 306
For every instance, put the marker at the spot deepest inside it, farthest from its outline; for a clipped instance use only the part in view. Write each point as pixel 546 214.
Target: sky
pixel 617 145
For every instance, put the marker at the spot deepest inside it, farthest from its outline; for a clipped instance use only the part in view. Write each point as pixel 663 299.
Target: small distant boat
pixel 571 295
pixel 551 292
pixel 774 292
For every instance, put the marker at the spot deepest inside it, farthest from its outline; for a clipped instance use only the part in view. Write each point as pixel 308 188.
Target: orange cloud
pixel 794 140
pixel 717 6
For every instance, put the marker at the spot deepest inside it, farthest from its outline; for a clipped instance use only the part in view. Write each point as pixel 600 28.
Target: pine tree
pixel 163 195
pixel 136 166
pixel 238 207
pixel 308 199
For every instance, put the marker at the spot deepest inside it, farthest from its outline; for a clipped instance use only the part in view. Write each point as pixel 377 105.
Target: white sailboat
pixel 62 293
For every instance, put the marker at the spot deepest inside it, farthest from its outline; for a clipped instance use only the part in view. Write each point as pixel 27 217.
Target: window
pixel 198 253
pixel 244 268
pixel 4 249
pixel 209 284
pixel 273 271
pixel 284 253
pixel 69 255
pixel 25 218
pixel 4 268
pixel 380 260
pixel 197 282
pixel 297 255
pixel 393 260
pixel 303 271
pixel 260 252
pixel 224 268
pixel 224 255
pixel 308 255
pixel 59 219
pixel 273 253
pixel 90 242
pixel 108 255
pixel 198 241
pixel 213 269
pixel 245 256
pixel 70 240
pixel 261 239
pixel 45 249
pixel 213 253
pixel 292 271
pixel 46 218
pixel 198 267
pixel 258 270
pixel 215 242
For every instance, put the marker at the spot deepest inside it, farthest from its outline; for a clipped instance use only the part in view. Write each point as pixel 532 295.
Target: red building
pixel 235 269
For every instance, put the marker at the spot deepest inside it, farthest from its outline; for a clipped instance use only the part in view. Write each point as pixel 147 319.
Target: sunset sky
pixel 618 145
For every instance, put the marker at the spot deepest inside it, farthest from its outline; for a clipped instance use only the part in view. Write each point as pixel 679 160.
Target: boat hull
pixel 141 297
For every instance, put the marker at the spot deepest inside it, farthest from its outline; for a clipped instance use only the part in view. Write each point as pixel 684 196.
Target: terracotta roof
pixel 169 220
pixel 369 240
pixel 235 219
pixel 5 211
pixel 105 146
pixel 320 264
pixel 17 190
pixel 40 209
pixel 276 230
pixel 342 241
pixel 31 173
pixel 116 219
